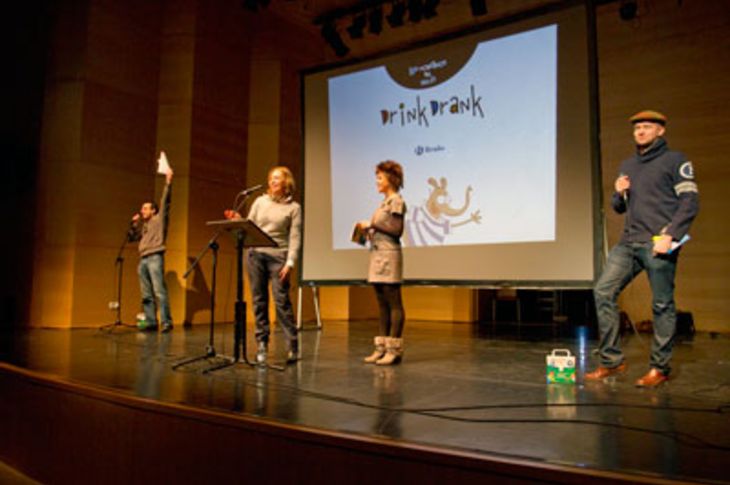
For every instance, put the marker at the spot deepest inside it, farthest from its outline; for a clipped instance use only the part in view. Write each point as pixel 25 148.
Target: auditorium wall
pixel 217 87
pixel 674 58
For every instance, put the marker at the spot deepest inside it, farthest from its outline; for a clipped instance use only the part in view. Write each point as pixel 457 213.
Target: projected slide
pixel 495 130
pixel 474 127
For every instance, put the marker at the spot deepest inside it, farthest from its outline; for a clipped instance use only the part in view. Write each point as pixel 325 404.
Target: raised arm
pixel 165 201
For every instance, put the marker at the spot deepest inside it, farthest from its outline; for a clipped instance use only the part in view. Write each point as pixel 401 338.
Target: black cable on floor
pixel 681 437
pixel 436 413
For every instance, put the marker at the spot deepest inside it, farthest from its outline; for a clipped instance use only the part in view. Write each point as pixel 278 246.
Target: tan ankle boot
pixel 393 351
pixel 378 352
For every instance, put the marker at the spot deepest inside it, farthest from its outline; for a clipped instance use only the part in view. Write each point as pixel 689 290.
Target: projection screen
pixel 493 131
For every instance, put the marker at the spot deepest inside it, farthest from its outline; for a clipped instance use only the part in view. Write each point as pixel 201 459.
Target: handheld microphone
pixel 625 193
pixel 251 189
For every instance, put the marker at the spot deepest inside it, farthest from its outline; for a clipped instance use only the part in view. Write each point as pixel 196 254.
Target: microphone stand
pixel 210 351
pixel 119 268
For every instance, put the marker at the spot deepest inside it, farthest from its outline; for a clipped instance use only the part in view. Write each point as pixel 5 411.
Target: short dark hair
pixel 393 171
pixel 153 204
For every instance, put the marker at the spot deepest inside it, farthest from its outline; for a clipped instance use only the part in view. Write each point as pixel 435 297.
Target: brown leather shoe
pixel 651 379
pixel 603 372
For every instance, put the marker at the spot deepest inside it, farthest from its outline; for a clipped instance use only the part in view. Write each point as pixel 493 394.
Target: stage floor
pixel 460 386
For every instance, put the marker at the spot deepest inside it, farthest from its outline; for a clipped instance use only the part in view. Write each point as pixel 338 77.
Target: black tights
pixel 391 309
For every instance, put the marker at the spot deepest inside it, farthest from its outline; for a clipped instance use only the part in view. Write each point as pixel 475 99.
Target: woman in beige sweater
pixel 280 216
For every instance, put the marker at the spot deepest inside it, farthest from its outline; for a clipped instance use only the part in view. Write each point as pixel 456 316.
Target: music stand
pixel 248 235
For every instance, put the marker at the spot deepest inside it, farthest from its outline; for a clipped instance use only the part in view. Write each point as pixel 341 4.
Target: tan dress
pixel 386 258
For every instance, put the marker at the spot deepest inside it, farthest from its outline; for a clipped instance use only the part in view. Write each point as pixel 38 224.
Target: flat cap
pixel 649 115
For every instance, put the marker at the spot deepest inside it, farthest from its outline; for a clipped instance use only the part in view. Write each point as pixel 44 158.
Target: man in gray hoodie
pixel 149 227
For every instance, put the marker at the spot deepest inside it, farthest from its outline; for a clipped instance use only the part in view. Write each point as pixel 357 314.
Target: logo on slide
pixel 432 65
pixel 429 224
pixel 423 112
pixel 420 149
pixel 426 71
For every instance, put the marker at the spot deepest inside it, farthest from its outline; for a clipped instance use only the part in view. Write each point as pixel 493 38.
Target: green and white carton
pixel 560 367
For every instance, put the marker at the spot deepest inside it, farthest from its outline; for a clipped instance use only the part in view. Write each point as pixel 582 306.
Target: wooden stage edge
pixel 59 431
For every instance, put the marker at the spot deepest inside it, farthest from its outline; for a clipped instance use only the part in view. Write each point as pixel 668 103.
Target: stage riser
pixel 60 432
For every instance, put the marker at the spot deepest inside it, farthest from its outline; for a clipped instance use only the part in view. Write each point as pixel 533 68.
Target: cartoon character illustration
pixel 430 223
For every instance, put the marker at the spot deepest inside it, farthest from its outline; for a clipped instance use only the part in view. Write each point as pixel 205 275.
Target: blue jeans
pixel 625 262
pixel 263 268
pixel 151 272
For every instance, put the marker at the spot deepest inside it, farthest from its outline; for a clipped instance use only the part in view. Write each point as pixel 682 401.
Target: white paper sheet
pixel 163 166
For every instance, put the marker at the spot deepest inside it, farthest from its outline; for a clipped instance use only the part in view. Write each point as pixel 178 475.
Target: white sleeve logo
pixel 687 171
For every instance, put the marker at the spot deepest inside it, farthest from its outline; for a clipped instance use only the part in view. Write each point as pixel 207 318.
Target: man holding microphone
pixel 657 193
pixel 149 227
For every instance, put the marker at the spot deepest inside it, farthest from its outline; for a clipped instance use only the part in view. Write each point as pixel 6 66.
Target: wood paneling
pixel 218 88
pixel 674 58
pixel 98 136
pixel 440 304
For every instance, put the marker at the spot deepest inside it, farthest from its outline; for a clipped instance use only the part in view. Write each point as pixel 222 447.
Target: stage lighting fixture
pixel 627 10
pixel 357 27
pixel 332 37
pixel 478 7
pixel 397 11
pixel 375 20
pixel 429 8
pixel 415 11
pixel 252 5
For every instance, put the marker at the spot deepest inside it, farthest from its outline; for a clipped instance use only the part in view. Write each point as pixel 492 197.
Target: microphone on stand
pixel 241 196
pixel 251 190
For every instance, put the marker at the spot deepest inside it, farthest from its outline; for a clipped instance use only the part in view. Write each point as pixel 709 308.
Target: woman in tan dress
pixel 384 230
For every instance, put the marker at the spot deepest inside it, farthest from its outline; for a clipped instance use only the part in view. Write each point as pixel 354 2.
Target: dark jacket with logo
pixel 663 197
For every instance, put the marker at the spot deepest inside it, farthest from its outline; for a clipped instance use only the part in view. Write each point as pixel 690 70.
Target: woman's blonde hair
pixel 289 185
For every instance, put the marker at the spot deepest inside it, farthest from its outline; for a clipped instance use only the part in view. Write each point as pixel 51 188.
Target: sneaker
pixel 147 327
pixel 292 356
pixel 261 353
pixel 166 327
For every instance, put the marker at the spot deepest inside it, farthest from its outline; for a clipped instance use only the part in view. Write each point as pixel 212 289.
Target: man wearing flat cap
pixel 657 192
